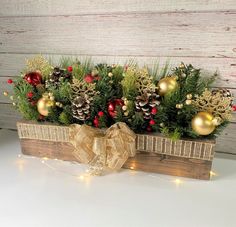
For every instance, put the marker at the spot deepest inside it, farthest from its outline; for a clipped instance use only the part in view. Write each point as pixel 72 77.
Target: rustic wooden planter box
pixel 155 153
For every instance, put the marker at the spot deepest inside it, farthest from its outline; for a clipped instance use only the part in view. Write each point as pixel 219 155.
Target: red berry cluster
pixel 152 122
pixel 89 78
pixel 96 119
pixel 30 96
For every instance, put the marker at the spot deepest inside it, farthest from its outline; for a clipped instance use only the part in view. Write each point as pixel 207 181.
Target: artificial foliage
pixel 101 95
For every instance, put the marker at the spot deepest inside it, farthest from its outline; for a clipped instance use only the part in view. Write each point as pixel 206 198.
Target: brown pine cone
pixel 145 103
pixel 81 107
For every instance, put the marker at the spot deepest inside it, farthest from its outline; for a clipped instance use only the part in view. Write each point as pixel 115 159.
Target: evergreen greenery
pixel 116 82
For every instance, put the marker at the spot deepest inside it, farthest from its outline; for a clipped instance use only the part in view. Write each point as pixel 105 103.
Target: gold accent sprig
pixel 215 103
pixel 39 63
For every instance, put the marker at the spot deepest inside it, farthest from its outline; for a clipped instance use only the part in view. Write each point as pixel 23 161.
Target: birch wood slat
pixel 146 34
pixel 53 141
pixel 8 116
pixel 71 7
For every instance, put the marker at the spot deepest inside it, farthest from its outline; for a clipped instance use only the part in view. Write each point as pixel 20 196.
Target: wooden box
pixel 155 153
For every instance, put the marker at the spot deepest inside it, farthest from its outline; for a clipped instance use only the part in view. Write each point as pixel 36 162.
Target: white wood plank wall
pixel 199 32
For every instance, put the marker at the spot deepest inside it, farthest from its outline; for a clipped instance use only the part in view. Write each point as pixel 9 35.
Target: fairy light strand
pixel 44 161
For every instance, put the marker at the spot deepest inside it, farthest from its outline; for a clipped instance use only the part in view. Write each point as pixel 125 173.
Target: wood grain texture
pixel 53 150
pixel 143 161
pixel 8 116
pixel 226 142
pixel 170 165
pixel 12 64
pixel 72 7
pixel 148 34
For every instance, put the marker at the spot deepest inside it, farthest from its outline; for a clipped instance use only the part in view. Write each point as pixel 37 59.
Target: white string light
pixel 86 175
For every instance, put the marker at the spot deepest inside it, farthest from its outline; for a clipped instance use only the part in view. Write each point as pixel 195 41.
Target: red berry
pixel 100 113
pixel 149 128
pixel 70 68
pixel 154 111
pixel 30 95
pixel 152 122
pixel 89 78
pixel 96 122
pixel 9 81
pixel 234 108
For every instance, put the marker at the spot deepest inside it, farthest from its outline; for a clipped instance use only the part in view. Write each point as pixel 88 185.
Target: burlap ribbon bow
pixel 103 149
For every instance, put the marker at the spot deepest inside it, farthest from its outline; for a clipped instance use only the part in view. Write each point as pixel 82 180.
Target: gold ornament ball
pixel 167 85
pixel 179 106
pixel 189 96
pixel 44 105
pixel 124 108
pixel 110 74
pixel 203 124
pixel 5 93
pixel 188 102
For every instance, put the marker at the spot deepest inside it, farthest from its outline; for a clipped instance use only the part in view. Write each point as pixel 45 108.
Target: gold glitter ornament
pixel 202 123
pixel 39 63
pixel 167 85
pixel 216 103
pixel 5 93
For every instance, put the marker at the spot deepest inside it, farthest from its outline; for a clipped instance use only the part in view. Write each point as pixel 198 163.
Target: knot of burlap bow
pixel 103 149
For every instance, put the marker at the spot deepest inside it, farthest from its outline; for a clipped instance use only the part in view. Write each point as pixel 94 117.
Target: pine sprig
pixel 109 83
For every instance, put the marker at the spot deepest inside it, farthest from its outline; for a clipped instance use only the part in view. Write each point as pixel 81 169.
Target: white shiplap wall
pixel 199 32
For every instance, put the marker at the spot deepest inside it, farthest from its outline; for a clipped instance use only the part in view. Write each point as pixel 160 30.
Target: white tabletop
pixel 52 193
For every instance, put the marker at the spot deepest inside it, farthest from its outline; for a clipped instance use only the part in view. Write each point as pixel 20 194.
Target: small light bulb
pixel 131 167
pixel 81 177
pixel 19 155
pixel 43 161
pixel 177 181
pixel 45 158
pixel 212 173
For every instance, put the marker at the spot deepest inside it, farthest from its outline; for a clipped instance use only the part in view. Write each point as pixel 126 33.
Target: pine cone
pixel 81 107
pixel 57 76
pixel 145 103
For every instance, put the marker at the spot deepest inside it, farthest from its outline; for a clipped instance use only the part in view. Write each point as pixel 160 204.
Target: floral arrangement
pixel 177 102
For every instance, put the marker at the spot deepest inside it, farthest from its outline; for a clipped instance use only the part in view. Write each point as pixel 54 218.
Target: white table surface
pixel 51 193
